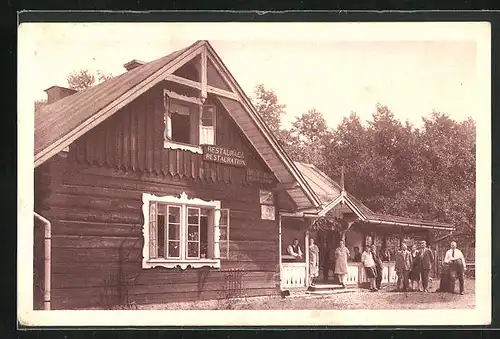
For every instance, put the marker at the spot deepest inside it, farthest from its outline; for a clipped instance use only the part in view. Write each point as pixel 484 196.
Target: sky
pixel 336 68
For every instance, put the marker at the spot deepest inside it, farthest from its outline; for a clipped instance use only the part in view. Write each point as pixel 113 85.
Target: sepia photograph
pixel 177 174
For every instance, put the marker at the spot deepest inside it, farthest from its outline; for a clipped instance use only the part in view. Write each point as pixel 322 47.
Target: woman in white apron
pixel 313 261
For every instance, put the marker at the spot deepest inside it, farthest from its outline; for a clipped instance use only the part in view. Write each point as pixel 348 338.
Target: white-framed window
pixel 179 231
pixel 189 123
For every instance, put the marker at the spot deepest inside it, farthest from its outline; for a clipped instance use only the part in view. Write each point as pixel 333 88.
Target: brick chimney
pixel 133 64
pixel 55 93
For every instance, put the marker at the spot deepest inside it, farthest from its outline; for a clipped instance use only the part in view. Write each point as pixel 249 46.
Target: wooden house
pixel 164 184
pixel 160 184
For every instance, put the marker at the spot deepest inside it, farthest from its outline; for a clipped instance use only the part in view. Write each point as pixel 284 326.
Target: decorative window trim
pixel 184 147
pixel 183 199
pixel 171 144
pixel 184 98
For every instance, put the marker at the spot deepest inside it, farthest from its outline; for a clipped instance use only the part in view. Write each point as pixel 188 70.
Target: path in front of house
pixel 357 300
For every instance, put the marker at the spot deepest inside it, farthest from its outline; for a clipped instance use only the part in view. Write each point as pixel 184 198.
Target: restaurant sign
pixel 224 155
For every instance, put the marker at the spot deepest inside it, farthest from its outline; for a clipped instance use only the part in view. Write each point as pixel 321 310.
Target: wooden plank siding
pixel 93 199
pixel 132 140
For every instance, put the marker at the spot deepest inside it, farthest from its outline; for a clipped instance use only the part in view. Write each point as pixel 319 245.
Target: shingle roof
pixel 62 122
pixel 328 190
pixel 55 120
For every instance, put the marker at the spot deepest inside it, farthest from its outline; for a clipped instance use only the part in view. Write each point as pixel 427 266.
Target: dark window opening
pixel 181 128
pixel 161 236
pixel 204 236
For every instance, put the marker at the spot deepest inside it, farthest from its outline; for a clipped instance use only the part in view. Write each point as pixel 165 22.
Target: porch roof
pixel 331 194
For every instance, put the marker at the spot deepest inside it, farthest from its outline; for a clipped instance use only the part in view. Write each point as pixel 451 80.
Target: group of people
pixel 336 260
pixel 412 266
pixel 340 256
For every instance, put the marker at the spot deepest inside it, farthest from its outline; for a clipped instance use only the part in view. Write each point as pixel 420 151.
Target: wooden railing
pixel 356 273
pixel 293 274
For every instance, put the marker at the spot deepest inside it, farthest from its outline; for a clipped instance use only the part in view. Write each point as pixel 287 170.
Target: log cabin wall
pixel 93 198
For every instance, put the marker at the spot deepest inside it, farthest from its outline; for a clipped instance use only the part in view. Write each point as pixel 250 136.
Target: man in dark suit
pixel 403 267
pixel 378 266
pixel 427 262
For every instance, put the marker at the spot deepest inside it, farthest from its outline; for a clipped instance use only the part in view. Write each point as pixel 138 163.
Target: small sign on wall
pixel 266 197
pixel 267 212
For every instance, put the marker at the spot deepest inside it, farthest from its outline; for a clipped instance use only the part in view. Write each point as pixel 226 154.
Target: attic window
pixel 180 115
pixel 188 122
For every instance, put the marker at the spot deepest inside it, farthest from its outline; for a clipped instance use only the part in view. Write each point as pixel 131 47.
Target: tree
pixel 101 76
pixel 393 167
pixel 349 147
pixel 309 136
pixel 268 106
pixel 397 169
pixel 82 79
pixel 39 104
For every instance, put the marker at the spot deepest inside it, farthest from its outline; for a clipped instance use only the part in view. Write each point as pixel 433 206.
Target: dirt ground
pixel 362 299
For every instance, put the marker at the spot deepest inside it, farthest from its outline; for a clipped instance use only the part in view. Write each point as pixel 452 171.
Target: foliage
pixel 267 104
pixel 400 170
pixel 307 137
pixel 39 104
pixel 82 79
pixel 310 134
pixel 393 167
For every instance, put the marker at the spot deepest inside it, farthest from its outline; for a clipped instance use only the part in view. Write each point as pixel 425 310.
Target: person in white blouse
pixel 294 249
pixel 456 258
pixel 369 265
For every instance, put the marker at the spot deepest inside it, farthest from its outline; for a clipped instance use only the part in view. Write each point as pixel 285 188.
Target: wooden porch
pixel 294 275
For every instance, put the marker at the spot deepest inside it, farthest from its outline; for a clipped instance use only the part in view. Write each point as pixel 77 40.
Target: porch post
pixel 400 236
pixel 307 253
pixel 279 247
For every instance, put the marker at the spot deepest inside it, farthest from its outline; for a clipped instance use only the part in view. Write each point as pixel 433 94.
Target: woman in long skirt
pixel 341 255
pixel 415 268
pixel 313 261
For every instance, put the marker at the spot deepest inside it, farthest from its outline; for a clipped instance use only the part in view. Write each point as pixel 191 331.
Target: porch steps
pixel 329 289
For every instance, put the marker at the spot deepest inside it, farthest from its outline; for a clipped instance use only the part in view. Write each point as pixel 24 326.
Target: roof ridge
pixel 117 77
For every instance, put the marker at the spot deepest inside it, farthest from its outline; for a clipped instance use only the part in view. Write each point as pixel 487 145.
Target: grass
pixel 362 299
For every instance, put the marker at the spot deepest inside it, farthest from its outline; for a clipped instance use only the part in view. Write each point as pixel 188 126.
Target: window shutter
pixel 216 233
pixel 195 123
pixel 153 248
pixel 167 135
pixel 224 234
pixel 207 125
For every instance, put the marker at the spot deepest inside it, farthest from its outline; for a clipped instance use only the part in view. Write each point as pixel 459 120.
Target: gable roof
pixel 331 194
pixel 58 124
pixel 54 121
